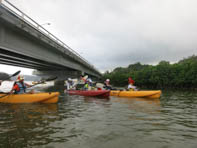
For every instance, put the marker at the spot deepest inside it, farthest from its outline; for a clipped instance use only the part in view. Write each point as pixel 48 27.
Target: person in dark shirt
pixel 107 85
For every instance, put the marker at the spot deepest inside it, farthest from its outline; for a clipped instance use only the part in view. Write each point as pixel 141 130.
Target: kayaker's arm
pixel 15 87
pixel 28 85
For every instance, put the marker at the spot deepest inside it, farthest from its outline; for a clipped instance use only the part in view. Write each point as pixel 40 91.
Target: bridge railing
pixel 9 6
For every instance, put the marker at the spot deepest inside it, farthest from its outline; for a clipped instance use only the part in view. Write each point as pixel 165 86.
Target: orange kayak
pixel 51 97
pixel 152 94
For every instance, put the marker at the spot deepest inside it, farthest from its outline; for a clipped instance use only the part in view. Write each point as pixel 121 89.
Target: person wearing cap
pixel 131 84
pixel 20 86
pixel 88 84
pixel 131 81
pixel 107 85
pixel 89 81
pixel 69 84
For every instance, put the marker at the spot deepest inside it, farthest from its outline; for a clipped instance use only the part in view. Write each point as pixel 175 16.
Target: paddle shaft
pixel 4 95
pixel 43 81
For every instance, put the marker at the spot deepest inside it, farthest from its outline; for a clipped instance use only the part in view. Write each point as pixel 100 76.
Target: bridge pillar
pixel 2 35
pixel 82 73
pixel 62 75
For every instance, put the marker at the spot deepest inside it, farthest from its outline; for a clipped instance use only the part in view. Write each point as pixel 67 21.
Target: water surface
pixel 87 122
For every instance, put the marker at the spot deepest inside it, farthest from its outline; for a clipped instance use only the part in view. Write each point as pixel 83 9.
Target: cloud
pixel 113 33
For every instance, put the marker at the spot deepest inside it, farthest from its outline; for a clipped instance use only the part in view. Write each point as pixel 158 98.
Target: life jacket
pixel 86 86
pixel 21 88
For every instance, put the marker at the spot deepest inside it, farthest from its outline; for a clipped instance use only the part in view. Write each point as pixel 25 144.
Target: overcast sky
pixel 113 33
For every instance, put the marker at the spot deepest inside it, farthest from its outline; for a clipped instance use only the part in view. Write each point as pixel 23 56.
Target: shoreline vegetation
pixel 180 75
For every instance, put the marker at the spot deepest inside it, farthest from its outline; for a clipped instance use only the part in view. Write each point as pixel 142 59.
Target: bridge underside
pixel 23 44
pixel 15 59
pixel 42 67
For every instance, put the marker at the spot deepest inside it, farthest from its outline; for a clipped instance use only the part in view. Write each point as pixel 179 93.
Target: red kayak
pixel 90 93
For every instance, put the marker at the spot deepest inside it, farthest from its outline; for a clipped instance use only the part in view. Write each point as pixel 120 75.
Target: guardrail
pixel 9 6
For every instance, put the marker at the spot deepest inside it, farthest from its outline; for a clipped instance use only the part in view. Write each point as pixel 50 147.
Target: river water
pixel 87 122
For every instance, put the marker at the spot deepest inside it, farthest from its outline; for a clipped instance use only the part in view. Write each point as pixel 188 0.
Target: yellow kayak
pixel 153 94
pixel 30 98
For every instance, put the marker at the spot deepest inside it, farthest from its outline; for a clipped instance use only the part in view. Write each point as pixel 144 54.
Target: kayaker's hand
pixel 11 92
pixel 30 86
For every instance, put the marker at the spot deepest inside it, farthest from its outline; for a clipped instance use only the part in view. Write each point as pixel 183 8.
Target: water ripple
pixel 87 122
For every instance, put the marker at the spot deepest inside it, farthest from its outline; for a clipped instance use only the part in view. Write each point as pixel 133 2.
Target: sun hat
pixel 20 77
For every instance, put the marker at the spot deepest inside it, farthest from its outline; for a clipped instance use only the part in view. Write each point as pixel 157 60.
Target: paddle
pixel 16 73
pixel 43 81
pixel 40 82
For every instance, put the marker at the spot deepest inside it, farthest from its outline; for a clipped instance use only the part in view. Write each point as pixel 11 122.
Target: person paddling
pixel 69 84
pixel 20 86
pixel 107 85
pixel 131 84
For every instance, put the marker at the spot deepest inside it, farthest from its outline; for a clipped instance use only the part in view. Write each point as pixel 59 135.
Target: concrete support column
pixel 62 75
pixel 82 73
pixel 2 35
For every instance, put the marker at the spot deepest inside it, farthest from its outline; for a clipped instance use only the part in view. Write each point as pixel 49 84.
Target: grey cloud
pixel 112 33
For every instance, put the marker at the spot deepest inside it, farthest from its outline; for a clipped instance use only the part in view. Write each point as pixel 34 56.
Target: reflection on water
pixel 23 122
pixel 89 122
pixel 140 104
pixel 105 102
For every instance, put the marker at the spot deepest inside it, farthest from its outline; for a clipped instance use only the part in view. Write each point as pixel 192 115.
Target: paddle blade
pixel 16 73
pixel 51 79
pixel 45 80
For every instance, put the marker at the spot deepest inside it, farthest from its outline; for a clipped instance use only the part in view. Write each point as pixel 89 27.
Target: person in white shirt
pixel 69 84
pixel 132 87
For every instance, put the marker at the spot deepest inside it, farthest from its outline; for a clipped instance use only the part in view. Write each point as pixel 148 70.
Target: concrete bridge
pixel 25 43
